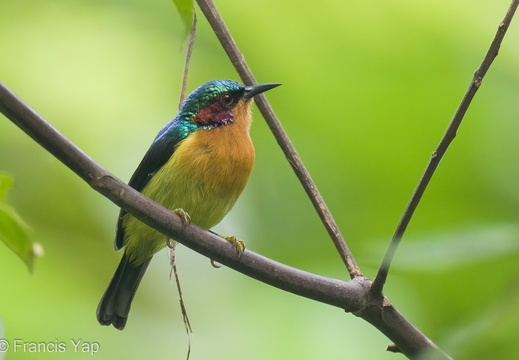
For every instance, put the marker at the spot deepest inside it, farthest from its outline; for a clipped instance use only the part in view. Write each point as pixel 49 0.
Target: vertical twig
pixel 438 154
pixel 237 59
pixel 189 51
pixel 185 317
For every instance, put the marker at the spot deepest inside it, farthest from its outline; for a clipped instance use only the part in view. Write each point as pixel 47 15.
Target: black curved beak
pixel 253 90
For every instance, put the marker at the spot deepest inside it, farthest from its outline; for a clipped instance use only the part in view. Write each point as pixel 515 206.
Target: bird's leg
pixel 184 216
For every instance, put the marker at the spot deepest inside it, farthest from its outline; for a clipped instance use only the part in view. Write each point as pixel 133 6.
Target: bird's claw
pixel 237 243
pixel 184 216
pixel 215 265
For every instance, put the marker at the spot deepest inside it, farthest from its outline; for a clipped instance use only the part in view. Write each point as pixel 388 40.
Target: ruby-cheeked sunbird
pixel 200 163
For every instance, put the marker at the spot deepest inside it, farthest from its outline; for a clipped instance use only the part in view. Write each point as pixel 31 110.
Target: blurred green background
pixel 369 88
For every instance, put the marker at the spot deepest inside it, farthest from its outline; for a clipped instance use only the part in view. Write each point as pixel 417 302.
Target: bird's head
pixel 220 102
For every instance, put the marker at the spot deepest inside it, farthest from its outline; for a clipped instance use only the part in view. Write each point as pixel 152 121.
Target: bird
pixel 197 166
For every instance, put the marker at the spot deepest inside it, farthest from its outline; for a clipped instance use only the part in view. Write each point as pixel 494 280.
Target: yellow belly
pixel 204 176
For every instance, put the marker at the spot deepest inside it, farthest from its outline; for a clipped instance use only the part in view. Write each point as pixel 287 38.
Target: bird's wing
pixel 158 154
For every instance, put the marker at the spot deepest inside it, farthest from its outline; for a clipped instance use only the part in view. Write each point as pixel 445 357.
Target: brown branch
pixel 347 295
pixel 238 60
pixel 440 151
pixel 352 296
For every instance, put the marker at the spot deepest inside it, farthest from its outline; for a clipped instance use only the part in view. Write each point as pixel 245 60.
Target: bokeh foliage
pixel 369 88
pixel 14 232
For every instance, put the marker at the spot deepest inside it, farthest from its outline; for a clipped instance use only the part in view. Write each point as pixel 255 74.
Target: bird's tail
pixel 115 304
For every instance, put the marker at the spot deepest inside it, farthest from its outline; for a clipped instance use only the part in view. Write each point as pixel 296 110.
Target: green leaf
pixel 14 232
pixel 185 9
pixel 6 182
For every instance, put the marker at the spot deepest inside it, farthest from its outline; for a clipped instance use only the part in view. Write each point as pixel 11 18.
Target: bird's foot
pixel 184 216
pixel 237 243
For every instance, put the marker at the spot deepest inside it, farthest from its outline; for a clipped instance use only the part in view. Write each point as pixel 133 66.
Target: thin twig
pixel 352 296
pixel 238 60
pixel 189 51
pixel 438 154
pixel 185 317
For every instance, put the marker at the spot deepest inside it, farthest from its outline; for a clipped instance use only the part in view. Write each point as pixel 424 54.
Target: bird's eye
pixel 226 99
